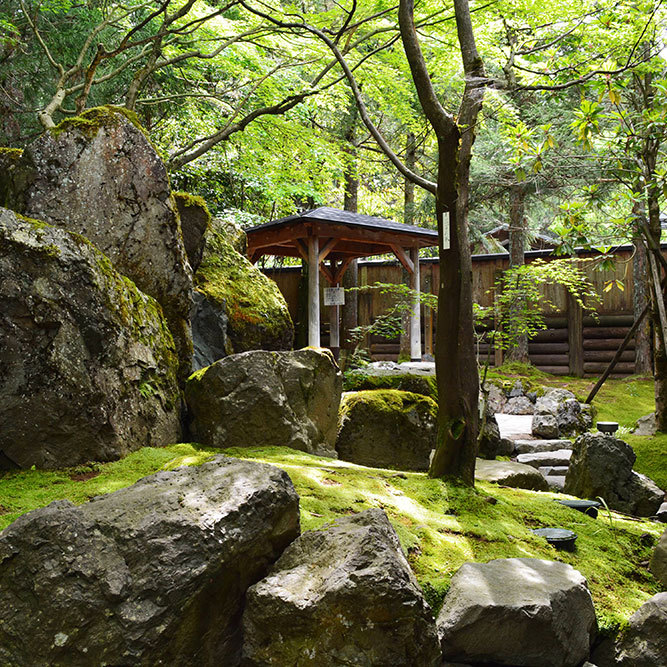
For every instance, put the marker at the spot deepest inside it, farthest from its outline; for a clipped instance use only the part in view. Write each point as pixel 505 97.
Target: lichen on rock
pixel 89 364
pixel 257 313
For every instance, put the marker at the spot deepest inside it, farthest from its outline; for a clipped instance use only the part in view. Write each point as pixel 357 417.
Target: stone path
pixel 550 457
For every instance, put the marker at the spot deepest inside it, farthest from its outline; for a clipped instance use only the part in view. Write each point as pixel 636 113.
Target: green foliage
pixel 520 300
pixel 389 324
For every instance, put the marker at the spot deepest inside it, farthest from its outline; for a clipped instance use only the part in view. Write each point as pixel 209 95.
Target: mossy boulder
pixel 88 363
pixel 232 231
pixel 362 379
pixel 154 574
pixel 195 221
pixel 256 311
pixel 9 158
pixel 344 595
pixel 387 428
pixel 260 398
pixel 98 175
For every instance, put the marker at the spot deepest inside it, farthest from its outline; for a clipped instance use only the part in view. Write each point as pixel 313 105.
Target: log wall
pixel 572 344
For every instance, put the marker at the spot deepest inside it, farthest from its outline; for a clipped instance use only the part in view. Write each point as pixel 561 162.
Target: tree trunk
pixel 517 238
pixel 350 315
pixel 658 294
pixel 455 360
pixel 643 348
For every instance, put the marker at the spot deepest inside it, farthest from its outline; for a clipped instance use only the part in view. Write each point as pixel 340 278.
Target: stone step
pixel 553 470
pixel 560 457
pixel 530 446
pixel 555 481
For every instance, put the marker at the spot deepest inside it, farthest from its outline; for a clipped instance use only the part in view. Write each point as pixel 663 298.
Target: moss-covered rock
pixel 256 311
pixel 195 221
pixel 98 175
pixel 387 428
pixel 9 158
pixel 267 398
pixel 362 380
pixel 89 364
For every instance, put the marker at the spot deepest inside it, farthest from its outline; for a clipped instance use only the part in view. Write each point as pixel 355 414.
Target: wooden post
pixel 575 336
pixel 334 320
pixel 313 291
pixel 415 324
pixel 428 314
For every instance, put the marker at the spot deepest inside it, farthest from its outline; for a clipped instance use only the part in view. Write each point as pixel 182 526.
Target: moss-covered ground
pixel 441 525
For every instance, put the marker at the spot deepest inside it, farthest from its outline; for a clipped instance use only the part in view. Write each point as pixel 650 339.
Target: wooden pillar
pixel 428 314
pixel 575 336
pixel 313 291
pixel 415 325
pixel 334 320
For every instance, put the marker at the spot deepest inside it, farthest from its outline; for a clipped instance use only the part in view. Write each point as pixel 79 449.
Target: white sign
pixel 445 230
pixel 334 296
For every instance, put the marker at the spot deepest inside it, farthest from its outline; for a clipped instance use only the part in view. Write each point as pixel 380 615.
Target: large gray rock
pixel 509 473
pixel 344 595
pixel 152 574
pixel 88 366
pixel 644 641
pixel 255 310
pixel 517 611
pixel 659 560
pixel 263 398
pixel 387 428
pixel 549 402
pixel 558 457
pixel 601 465
pixel 98 175
pixel 496 398
pixel 533 446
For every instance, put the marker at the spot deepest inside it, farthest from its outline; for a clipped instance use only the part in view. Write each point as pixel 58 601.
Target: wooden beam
pixel 327 248
pixel 327 274
pixel 415 323
pixel 338 276
pixel 313 292
pixel 302 249
pixel 334 319
pixel 403 258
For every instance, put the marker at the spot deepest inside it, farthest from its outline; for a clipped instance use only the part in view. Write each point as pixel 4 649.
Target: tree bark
pixel 643 348
pixel 517 238
pixel 456 364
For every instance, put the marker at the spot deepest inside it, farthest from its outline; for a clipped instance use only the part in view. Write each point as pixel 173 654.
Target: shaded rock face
pixel 601 465
pixel 659 560
pixel 387 428
pixel 644 641
pixel 490 442
pixel 195 219
pixel 99 176
pixel 344 595
pixel 256 311
pixel 88 364
pixel 210 340
pixel 152 574
pixel 262 398
pixel 509 473
pixel 517 611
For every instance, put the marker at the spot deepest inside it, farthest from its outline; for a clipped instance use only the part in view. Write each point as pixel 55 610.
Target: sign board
pixel 334 296
pixel 445 230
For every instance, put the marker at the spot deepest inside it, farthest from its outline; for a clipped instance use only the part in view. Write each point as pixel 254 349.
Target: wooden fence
pixel 573 343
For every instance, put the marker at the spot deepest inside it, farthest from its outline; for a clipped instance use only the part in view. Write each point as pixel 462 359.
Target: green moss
pixel 90 121
pixel 188 200
pixel 358 380
pixel 257 311
pixel 10 154
pixel 387 401
pixel 440 525
pixel 651 454
pixel 34 223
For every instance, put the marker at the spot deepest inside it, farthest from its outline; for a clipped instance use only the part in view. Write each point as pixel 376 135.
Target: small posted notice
pixel 445 230
pixel 334 296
